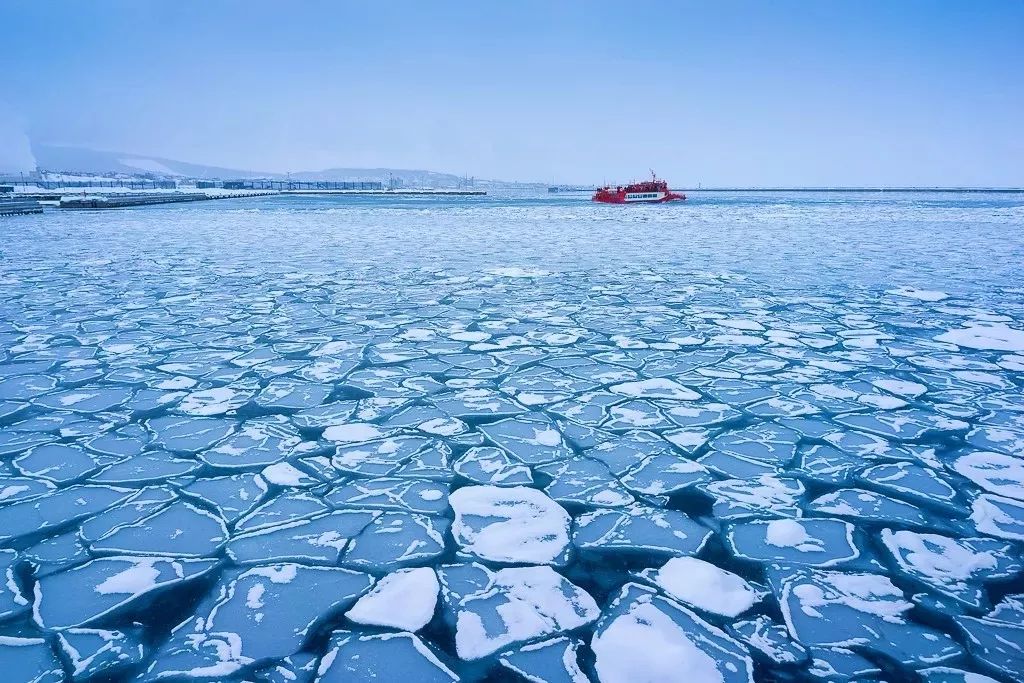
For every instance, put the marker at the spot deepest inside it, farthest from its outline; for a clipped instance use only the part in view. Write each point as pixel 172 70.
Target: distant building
pixel 6 188
pixel 205 184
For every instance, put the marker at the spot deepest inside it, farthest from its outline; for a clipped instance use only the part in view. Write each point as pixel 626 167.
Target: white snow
pixel 901 387
pixel 941 559
pixel 943 674
pixel 73 399
pixel 518 272
pixel 468 336
pixel 254 598
pixel 995 472
pixel 762 493
pixel 15 641
pixel 516 524
pixel 789 533
pixel 281 573
pixel 646 646
pixel 570 672
pixel 209 402
pixel 177 382
pixel 867 593
pixel 741 324
pixel 283 474
pixel 8 491
pixel 659 387
pixel 136 579
pixel 353 432
pixel 705 586
pixel 405 600
pixel 883 402
pixel 521 603
pixel 987 337
pixel 992 515
pixel 442 426
pixel 545 437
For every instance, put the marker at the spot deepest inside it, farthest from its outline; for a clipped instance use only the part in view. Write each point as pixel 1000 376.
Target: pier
pixel 295 185
pixel 387 193
pixel 554 189
pixel 130 200
pixel 18 207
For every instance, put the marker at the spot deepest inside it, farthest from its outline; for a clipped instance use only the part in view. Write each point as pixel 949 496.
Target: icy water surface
pixel 768 437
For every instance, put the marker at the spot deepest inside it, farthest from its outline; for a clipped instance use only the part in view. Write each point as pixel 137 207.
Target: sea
pixel 753 436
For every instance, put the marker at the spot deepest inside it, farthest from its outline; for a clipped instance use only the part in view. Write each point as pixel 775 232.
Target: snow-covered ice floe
pixel 643 636
pixel 315 463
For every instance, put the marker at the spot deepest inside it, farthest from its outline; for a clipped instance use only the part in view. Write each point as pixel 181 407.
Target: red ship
pixel 651 191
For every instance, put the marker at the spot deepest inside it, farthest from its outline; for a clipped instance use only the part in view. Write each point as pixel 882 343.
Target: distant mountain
pixel 81 160
pixel 56 158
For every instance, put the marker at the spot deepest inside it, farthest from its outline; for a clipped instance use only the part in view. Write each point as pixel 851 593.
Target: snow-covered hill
pixel 79 160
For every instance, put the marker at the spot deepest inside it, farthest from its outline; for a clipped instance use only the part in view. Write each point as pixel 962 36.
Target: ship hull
pixel 623 197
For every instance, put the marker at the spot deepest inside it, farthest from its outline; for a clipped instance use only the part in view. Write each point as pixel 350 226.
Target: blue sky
pixel 730 93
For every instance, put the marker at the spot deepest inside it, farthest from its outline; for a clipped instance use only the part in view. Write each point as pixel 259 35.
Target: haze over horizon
pixel 740 94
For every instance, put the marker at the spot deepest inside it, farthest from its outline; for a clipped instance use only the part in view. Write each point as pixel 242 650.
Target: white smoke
pixel 15 149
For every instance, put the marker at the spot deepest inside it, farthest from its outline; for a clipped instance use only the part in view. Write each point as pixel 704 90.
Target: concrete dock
pixel 388 193
pixel 18 206
pixel 121 201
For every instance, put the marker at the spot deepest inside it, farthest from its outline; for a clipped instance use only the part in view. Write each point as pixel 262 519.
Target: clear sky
pixel 817 92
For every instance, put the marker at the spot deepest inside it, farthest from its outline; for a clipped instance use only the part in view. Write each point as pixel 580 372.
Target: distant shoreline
pixel 920 190
pixel 981 190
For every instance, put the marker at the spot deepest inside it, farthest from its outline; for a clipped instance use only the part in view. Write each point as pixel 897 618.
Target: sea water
pixel 776 436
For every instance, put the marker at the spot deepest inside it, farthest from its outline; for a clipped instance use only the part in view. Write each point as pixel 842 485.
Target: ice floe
pixel 519 604
pixel 95 653
pixel 383 657
pixel 404 600
pixel 257 614
pixel 645 637
pixel 856 610
pixel 484 465
pixel 987 337
pixel 79 596
pixel 997 516
pixel 30 660
pixel 814 542
pixel 705 586
pixel 954 567
pixel 639 530
pixel 513 524
pixel 994 472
